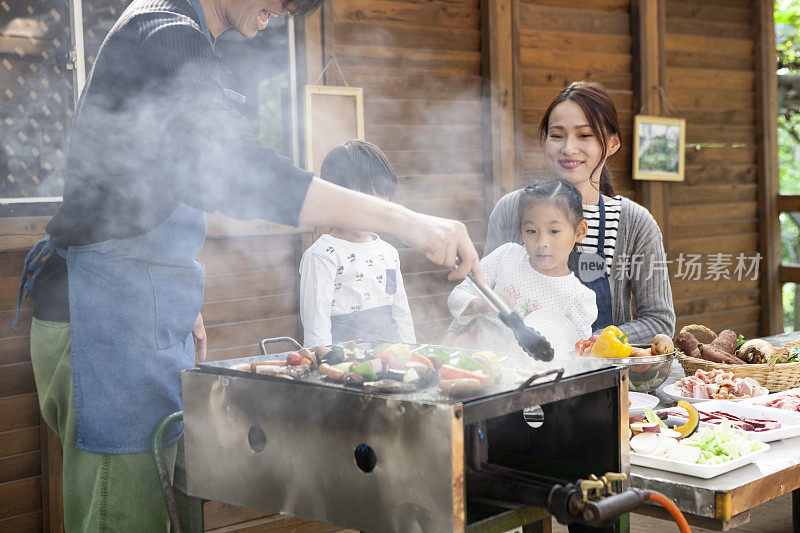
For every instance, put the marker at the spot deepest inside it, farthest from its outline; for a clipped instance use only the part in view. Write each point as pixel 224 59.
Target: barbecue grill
pixel 419 461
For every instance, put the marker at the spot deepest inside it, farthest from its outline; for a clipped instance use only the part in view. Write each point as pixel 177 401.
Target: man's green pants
pixel 102 492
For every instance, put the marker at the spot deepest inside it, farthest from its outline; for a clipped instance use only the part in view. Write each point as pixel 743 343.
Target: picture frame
pixel 659 148
pixel 333 115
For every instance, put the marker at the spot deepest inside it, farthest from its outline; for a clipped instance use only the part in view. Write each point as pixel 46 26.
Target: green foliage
pixel 787 43
pixel 787 36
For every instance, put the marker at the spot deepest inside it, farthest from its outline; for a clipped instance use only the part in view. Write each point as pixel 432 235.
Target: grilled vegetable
pixel 334 356
pixel 369 369
pixel 426 374
pixel 396 355
pixel 354 379
pixel 294 359
pixel 611 343
pixel 448 372
pixel 320 351
pixel 389 385
pixel 460 385
pixel 421 359
pixel 334 374
pixel 308 354
pixel 693 423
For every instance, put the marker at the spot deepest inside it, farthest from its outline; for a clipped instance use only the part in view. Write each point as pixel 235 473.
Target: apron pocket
pixel 178 298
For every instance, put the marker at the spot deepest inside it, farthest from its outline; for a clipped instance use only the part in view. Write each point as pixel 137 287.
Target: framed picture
pixel 658 148
pixel 333 115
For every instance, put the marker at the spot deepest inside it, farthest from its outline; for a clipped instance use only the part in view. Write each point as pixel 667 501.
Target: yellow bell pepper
pixel 611 343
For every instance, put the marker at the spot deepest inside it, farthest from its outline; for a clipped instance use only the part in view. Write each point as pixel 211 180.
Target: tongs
pixel 528 338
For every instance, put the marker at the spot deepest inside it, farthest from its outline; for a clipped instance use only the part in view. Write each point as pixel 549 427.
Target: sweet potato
pixel 726 341
pixel 716 355
pixel 688 344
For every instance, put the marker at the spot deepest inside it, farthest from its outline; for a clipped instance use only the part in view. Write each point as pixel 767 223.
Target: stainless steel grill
pixel 418 461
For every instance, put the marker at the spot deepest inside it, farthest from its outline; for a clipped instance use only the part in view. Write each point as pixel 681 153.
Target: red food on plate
pixel 450 372
pixel 584 347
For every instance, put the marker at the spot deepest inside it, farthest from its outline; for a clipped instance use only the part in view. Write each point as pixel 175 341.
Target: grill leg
pixel 543 526
pixel 796 511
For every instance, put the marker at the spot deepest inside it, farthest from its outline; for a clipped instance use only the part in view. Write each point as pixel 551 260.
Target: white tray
pixel 640 401
pixel 790 422
pixel 694 469
pixel 758 401
pixel 673 392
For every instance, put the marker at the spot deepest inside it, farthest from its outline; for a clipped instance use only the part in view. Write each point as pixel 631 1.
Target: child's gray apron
pixel 376 324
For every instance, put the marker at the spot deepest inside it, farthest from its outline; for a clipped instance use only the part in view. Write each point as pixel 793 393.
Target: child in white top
pixel 536 275
pixel 350 282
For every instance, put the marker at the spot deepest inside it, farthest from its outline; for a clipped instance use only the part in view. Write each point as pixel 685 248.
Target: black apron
pixel 593 273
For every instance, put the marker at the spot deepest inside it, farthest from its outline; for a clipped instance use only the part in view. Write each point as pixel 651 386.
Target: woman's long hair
pixel 600 111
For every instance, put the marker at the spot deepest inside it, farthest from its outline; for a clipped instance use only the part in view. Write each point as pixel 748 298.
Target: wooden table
pixel 724 502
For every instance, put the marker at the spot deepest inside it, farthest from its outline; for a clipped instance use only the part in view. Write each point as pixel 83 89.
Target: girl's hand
pixel 478 306
pixel 200 340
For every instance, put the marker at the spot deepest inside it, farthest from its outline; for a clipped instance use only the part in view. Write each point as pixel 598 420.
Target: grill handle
pixel 558 371
pixel 273 340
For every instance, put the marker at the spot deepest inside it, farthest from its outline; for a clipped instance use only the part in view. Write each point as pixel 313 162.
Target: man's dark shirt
pixel 153 129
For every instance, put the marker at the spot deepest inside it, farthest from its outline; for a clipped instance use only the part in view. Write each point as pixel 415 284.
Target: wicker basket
pixel 775 377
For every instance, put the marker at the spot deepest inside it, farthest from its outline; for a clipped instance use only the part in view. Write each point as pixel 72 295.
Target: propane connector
pixel 591 484
pixel 609 478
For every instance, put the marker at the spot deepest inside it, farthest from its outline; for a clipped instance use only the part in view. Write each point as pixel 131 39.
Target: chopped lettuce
pixel 652 417
pixel 720 444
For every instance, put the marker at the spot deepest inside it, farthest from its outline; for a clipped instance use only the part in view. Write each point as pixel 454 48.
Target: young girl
pixel 350 282
pixel 580 131
pixel 536 275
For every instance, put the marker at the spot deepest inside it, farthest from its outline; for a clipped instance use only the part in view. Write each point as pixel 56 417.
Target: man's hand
pixel 445 242
pixel 200 340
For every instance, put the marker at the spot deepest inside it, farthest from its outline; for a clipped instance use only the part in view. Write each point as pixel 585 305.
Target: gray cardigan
pixel 639 251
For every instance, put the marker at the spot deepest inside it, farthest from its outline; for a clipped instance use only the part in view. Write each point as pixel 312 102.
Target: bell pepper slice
pixel 611 343
pixel 451 372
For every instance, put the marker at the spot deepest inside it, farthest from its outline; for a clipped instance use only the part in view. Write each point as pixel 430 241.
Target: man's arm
pixel 445 242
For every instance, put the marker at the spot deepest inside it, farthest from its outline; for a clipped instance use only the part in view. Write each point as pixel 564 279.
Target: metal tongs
pixel 528 338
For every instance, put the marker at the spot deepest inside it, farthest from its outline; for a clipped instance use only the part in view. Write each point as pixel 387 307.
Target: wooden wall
pixel 420 67
pixel 711 70
pixel 20 455
pixel 557 42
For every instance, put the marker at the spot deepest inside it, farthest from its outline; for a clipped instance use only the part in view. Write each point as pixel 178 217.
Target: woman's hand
pixel 200 340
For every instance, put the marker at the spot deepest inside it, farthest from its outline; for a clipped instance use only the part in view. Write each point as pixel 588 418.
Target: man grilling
pixel 155 145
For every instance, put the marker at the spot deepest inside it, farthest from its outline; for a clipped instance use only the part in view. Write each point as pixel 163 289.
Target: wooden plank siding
pixel 710 80
pixel 420 66
pixel 557 43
